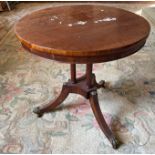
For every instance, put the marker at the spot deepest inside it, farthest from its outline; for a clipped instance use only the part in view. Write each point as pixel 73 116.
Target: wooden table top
pixel 82 33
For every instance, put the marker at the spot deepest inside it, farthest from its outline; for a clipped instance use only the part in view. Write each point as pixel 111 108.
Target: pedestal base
pixel 87 87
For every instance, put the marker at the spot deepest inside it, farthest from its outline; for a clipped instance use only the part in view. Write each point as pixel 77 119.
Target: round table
pixel 83 34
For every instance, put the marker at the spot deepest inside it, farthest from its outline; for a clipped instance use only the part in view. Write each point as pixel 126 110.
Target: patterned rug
pixel 26 81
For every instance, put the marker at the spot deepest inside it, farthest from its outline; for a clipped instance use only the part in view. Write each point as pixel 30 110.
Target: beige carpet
pixel 27 80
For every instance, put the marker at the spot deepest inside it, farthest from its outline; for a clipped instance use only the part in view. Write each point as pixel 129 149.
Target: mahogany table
pixel 82 34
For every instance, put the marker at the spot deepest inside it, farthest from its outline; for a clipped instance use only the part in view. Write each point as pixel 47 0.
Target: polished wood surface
pixel 82 33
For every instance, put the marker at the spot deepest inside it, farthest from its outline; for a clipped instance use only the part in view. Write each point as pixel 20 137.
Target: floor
pixel 149 12
pixel 26 81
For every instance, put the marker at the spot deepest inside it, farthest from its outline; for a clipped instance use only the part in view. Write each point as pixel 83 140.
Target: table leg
pixel 73 73
pixel 100 119
pixel 86 86
pixel 52 105
pixel 89 75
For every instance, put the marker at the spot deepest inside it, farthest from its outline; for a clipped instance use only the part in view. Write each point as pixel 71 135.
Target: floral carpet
pixel 27 80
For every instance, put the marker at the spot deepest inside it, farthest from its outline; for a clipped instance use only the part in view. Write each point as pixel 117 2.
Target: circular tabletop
pixel 82 33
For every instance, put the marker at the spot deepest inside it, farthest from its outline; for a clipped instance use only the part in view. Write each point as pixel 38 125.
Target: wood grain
pixel 82 33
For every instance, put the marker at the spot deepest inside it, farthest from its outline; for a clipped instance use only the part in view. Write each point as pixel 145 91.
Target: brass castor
pixel 115 143
pixel 38 112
